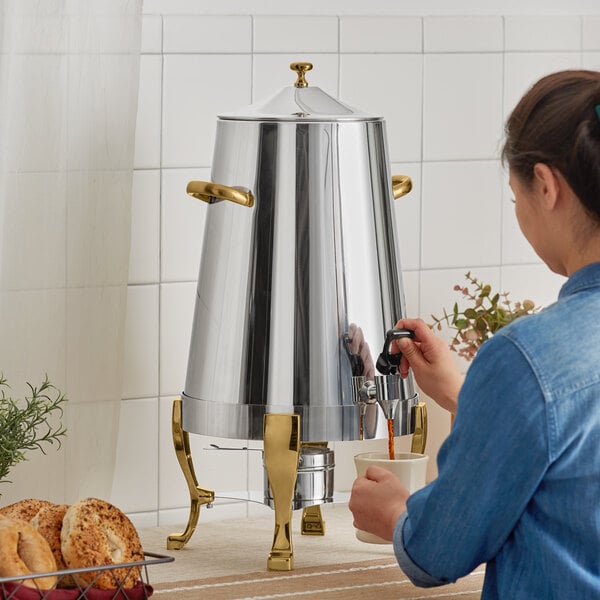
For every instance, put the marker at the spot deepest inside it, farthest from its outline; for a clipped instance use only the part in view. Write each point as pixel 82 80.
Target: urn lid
pixel 299 103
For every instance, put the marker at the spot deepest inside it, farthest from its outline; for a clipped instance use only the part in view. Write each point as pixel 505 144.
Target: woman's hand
pixel 431 362
pixel 377 501
pixel 359 347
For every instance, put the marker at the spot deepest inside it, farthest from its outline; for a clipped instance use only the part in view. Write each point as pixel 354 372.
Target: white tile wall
pixel 135 484
pixel 388 85
pixel 140 377
pixel 148 124
pixel 591 60
pixel 367 35
pixel 196 88
pixel 176 313
pixel 462 106
pixel 182 220
pixel 144 255
pixel 463 34
pixel 408 217
pixel 590 33
pixel 444 84
pixel 295 34
pixel 522 69
pixel 461 209
pixel 205 35
pixel 541 33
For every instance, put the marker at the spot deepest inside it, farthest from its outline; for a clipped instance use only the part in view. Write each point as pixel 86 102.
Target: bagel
pixel 24 551
pixel 24 509
pixel 96 533
pixel 48 521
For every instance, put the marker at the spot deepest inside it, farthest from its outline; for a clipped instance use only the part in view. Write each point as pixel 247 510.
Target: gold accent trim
pixel 281 435
pixel 198 495
pixel 419 439
pixel 401 185
pixel 211 192
pixel 301 69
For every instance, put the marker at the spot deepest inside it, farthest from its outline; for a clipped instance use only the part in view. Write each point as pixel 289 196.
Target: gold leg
pixel 312 521
pixel 281 453
pixel 419 439
pixel 198 495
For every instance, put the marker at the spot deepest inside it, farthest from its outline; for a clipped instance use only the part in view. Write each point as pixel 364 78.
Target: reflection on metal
pixel 282 451
pixel 419 439
pixel 314 482
pixel 198 495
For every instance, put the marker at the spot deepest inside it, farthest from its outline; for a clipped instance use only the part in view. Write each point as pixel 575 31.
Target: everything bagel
pixel 24 510
pixel 48 521
pixel 96 533
pixel 24 551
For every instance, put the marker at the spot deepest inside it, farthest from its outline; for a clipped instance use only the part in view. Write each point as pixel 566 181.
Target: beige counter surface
pixel 227 559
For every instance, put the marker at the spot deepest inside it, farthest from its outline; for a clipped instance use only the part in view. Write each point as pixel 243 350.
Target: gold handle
pixel 301 69
pixel 214 192
pixel 401 185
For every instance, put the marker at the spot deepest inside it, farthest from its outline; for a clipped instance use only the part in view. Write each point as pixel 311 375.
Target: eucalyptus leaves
pixel 488 313
pixel 29 424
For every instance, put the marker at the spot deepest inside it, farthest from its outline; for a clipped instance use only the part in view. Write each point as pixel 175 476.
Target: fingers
pixel 411 356
pixel 377 474
pixel 353 338
pixel 422 330
pixel 369 365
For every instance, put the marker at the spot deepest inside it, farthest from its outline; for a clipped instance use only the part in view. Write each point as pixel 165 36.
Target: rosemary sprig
pixel 26 425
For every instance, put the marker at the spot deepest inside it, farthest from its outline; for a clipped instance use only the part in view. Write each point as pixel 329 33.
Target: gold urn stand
pixel 281 437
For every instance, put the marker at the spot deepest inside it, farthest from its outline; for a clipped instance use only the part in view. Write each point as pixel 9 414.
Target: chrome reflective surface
pixel 282 283
pixel 314 483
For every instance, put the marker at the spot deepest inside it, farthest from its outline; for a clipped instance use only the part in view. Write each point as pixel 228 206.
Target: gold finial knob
pixel 301 68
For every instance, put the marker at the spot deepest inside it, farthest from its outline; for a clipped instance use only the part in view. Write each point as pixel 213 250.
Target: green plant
pixel 488 313
pixel 27 424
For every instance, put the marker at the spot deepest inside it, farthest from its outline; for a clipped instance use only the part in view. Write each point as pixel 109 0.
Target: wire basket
pixel 24 587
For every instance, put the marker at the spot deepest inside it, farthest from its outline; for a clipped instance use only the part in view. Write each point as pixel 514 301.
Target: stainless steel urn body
pixel 288 277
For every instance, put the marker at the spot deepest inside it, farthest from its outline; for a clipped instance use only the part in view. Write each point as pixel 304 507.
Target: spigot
pixel 388 388
pixel 363 395
pixel 388 363
pixel 389 407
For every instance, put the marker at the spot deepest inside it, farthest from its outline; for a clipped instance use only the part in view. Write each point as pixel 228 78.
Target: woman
pixel 519 475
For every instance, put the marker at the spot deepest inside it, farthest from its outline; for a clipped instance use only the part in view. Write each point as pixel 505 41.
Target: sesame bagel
pixel 48 521
pixel 24 551
pixel 96 533
pixel 24 509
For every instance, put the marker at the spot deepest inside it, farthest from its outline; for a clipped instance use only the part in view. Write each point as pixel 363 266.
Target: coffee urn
pixel 299 282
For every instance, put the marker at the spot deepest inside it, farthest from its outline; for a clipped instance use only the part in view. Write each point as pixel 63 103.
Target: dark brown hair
pixel 557 123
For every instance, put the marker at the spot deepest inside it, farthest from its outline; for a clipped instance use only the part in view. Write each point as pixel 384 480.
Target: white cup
pixel 409 467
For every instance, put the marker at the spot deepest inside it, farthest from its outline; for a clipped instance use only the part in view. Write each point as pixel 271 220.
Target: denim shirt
pixel 519 475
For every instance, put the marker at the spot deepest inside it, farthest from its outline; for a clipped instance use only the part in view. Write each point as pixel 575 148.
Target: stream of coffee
pixel 390 424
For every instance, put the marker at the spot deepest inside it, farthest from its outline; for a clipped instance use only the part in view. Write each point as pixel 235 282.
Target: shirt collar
pixel 584 278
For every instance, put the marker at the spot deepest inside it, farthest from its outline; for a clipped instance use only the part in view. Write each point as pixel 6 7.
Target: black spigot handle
pixel 387 364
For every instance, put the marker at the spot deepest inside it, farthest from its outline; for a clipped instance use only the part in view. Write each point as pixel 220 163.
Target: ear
pixel 546 184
